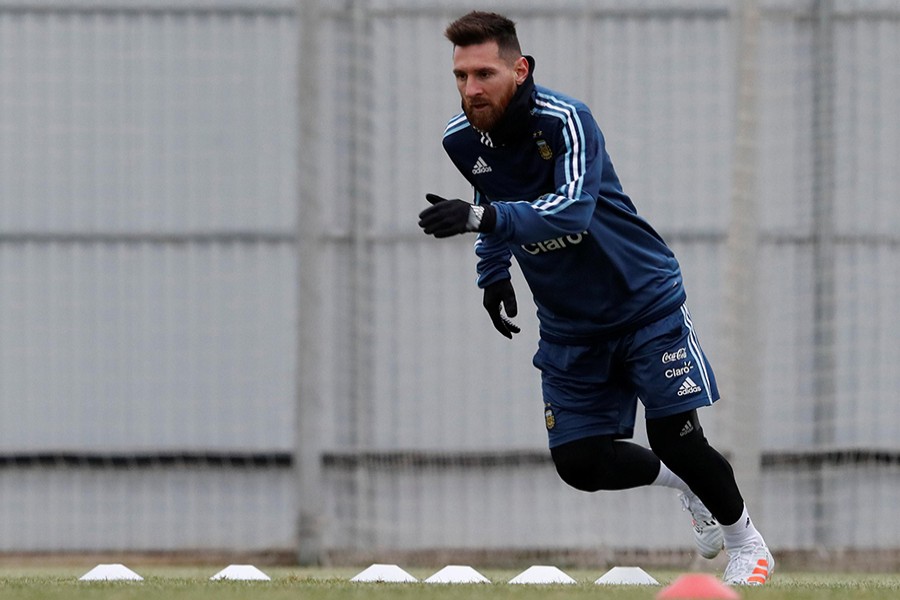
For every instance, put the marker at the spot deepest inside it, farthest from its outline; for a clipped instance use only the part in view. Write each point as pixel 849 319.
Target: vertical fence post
pixel 309 388
pixel 823 184
pixel 740 386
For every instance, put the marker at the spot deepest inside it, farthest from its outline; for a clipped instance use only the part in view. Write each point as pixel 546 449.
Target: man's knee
pixel 584 464
pixel 677 438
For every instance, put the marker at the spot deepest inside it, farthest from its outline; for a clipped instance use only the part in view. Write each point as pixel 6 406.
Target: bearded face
pixel 485 111
pixel 486 82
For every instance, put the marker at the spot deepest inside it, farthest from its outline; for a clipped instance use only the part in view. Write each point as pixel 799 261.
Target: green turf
pixel 29 583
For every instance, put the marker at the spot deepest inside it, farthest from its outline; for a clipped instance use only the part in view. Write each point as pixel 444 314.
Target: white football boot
pixel 750 564
pixel 707 533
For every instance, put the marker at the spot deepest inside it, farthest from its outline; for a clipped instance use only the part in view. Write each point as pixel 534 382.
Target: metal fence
pixel 221 328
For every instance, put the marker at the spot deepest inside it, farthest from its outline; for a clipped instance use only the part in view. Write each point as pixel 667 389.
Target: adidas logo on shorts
pixel 688 387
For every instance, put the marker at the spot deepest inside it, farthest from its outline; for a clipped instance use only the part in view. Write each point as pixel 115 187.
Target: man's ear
pixel 521 70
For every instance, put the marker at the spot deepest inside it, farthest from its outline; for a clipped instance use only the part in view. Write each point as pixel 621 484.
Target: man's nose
pixel 473 88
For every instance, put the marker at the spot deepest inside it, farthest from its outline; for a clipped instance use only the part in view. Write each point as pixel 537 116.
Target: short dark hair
pixel 479 27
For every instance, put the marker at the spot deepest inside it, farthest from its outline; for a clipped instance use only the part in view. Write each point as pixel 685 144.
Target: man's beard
pixel 485 119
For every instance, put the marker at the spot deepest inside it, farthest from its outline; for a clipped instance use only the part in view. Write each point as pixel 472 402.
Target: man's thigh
pixel 584 392
pixel 668 367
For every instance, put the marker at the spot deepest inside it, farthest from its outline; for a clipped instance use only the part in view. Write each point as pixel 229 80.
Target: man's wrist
pixel 482 218
pixel 476 215
pixel 488 218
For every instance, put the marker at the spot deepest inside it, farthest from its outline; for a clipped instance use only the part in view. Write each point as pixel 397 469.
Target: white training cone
pixel 241 573
pixel 457 574
pixel 626 576
pixel 386 573
pixel 114 572
pixel 542 574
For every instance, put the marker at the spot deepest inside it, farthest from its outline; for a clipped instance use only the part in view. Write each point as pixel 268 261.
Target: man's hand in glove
pixel 502 292
pixel 445 218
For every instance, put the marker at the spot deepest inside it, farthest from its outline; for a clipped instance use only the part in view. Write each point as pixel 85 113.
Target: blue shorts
pixel 593 390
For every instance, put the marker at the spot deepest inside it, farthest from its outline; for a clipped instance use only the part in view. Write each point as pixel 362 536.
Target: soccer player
pixel 609 293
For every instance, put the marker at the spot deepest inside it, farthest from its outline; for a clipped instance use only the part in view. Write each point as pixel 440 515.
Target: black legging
pixel 604 463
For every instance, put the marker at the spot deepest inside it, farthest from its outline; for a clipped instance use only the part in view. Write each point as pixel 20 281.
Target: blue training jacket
pixel 595 267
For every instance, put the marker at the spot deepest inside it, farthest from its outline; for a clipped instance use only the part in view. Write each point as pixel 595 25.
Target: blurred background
pixel 222 331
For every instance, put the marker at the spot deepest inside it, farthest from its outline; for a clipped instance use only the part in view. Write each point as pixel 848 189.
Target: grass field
pixel 33 583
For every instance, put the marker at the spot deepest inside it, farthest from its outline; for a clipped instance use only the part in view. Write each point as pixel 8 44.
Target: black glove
pixel 445 218
pixel 494 294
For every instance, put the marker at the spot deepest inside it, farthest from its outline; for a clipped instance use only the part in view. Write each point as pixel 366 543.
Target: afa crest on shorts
pixel 549 418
